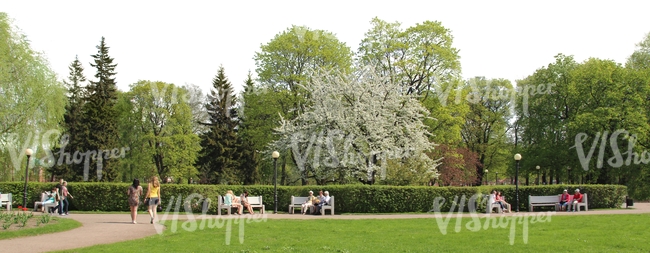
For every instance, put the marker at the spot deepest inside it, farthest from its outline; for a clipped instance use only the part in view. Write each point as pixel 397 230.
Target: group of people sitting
pixel 317 202
pixel 239 203
pixel 568 202
pixel 498 198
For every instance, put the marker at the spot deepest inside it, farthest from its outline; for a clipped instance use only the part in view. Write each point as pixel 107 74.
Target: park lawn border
pixel 62 224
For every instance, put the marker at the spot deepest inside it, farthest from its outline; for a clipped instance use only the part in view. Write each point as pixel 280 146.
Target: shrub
pixel 92 196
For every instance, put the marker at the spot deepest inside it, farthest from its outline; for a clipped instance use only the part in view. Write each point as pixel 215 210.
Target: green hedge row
pixel 348 198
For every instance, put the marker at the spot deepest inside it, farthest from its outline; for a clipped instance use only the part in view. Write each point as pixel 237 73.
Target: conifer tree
pixel 246 135
pixel 100 116
pixel 219 160
pixel 73 126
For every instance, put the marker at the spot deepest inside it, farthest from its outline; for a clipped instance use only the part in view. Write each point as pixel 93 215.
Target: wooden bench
pixel 491 204
pixel 552 200
pixel 329 206
pixel 221 206
pixel 6 199
pixel 256 202
pixel 296 202
pixel 583 203
pixel 44 206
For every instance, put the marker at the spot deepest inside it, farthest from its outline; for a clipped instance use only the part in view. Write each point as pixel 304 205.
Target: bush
pixel 92 196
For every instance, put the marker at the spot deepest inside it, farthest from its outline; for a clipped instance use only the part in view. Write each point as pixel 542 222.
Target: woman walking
pixel 153 193
pixel 66 194
pixel 134 192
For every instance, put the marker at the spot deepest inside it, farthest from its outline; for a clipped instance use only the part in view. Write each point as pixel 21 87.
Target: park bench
pixel 256 202
pixel 552 200
pixel 583 203
pixel 44 206
pixel 297 202
pixel 221 205
pixel 329 206
pixel 5 199
pixel 491 204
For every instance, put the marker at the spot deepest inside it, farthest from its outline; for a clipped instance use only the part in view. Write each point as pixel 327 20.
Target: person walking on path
pixel 66 194
pixel 59 191
pixel 134 192
pixel 153 193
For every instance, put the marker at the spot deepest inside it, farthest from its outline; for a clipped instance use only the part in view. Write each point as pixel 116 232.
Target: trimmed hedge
pixel 348 198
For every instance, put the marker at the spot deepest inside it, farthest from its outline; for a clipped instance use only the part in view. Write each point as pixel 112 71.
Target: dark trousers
pixel 65 205
pixel 61 206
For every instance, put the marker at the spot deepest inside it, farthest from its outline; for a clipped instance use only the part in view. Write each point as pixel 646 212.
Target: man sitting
pixel 577 198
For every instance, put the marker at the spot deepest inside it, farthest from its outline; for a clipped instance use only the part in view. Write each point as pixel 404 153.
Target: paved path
pixel 111 228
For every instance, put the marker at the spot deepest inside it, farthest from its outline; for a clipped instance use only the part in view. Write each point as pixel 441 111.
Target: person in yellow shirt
pixel 153 193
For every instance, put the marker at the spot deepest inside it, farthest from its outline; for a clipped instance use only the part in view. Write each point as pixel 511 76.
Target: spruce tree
pixel 249 166
pixel 100 116
pixel 73 136
pixel 219 160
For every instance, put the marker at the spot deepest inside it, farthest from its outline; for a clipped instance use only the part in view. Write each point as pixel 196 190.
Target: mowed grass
pixel 573 233
pixel 58 226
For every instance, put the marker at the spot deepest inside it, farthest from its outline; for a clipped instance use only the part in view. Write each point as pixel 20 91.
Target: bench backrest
pixel 331 203
pixel 298 200
pixel 43 197
pixel 544 199
pixel 255 200
pixel 5 197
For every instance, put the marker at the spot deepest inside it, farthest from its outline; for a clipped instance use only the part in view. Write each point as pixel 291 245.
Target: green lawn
pixel 579 233
pixel 53 227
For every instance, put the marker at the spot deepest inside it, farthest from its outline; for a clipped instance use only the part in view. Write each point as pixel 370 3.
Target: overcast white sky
pixel 186 41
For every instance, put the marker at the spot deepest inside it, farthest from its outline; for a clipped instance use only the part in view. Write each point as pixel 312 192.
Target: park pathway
pixel 111 228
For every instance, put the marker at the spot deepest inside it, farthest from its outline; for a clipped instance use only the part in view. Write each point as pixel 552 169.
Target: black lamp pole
pixel 517 158
pixel 28 152
pixel 275 181
pixel 496 180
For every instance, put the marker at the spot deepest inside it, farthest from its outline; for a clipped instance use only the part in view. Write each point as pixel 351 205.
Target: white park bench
pixel 221 205
pixel 491 204
pixel 44 206
pixel 553 200
pixel 296 202
pixel 5 199
pixel 583 203
pixel 329 206
pixel 256 202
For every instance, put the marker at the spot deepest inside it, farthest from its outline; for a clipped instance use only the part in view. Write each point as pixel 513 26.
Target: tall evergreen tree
pixel 73 135
pixel 100 116
pixel 219 160
pixel 247 133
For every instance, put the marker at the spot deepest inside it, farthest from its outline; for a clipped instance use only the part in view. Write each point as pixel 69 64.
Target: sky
pixel 185 42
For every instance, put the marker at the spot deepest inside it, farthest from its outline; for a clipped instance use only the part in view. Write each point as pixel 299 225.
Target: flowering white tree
pixel 353 124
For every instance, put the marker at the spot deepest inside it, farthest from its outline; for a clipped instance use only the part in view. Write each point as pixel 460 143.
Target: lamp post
pixel 538 182
pixel 486 177
pixel 29 153
pixel 568 175
pixel 496 178
pixel 275 156
pixel 517 158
